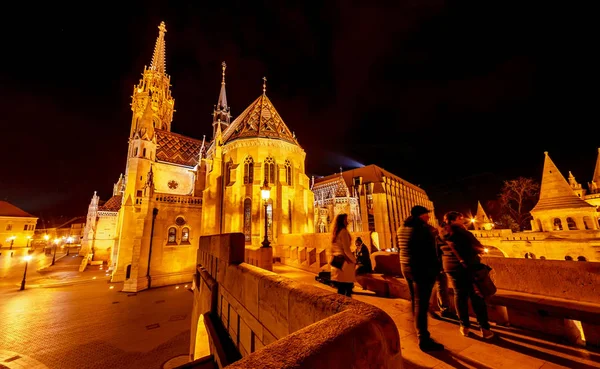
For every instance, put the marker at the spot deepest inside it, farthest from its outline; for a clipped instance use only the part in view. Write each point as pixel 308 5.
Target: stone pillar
pixel 265 258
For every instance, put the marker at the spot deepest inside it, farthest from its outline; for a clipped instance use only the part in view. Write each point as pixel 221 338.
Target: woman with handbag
pixel 342 259
pixel 461 261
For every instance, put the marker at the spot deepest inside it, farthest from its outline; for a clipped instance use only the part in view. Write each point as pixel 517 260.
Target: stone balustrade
pixel 179 199
pixel 275 322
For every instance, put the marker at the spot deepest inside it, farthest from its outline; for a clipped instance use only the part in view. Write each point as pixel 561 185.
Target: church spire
pixel 221 112
pixel 158 58
pixel 594 185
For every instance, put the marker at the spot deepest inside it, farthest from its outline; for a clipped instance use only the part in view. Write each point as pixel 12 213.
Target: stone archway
pixel 494 251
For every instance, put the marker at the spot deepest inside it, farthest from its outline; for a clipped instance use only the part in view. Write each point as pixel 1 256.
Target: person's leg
pixel 480 309
pixel 441 285
pixel 461 297
pixel 349 288
pixel 422 293
pixel 411 291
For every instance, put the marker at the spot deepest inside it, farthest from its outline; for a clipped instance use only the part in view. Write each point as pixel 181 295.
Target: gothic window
pixel 248 170
pixel 269 169
pixel 290 215
pixel 228 172
pixel 288 172
pixel 185 235
pixel 248 220
pixel 172 235
pixel 135 152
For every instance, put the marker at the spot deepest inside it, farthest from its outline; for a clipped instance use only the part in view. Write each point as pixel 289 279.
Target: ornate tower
pixel 154 89
pixel 594 185
pixel 221 112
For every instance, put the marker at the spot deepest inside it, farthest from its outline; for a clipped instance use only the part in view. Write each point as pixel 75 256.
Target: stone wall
pixel 261 257
pixel 308 251
pixel 572 280
pixel 275 322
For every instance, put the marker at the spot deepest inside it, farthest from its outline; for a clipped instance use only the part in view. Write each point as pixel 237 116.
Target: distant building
pixel 61 231
pixel 375 200
pixel 565 224
pixel 17 227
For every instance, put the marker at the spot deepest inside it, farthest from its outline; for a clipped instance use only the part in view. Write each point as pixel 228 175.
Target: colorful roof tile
pixel 177 149
pixel 113 204
pixel 260 119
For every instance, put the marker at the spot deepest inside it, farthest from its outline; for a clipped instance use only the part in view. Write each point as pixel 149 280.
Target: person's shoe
pixel 449 315
pixel 464 331
pixel 486 333
pixel 430 345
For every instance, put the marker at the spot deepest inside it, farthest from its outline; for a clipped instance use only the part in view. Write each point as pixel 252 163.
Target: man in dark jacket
pixel 420 267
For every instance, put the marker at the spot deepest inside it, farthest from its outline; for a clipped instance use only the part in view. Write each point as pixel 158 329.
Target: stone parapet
pixel 275 322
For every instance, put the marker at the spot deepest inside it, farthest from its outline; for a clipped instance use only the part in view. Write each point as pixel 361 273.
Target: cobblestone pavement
pixel 513 348
pixel 66 319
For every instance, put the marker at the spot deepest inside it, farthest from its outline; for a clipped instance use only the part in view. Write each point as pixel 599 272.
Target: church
pixel 176 188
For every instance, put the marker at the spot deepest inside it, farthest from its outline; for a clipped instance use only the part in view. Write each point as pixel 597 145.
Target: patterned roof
pixel 9 210
pixel 177 149
pixel 260 119
pixel 113 204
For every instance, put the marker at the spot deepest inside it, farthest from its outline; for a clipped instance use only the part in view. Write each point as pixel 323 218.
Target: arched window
pixel 172 235
pixel 228 167
pixel 288 172
pixel 571 224
pixel 557 224
pixel 248 170
pixel 248 220
pixel 269 169
pixel 581 258
pixel 185 235
pixel 587 222
pixel 568 258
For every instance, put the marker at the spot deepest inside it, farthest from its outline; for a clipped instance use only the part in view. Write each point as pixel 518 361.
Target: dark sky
pixel 455 96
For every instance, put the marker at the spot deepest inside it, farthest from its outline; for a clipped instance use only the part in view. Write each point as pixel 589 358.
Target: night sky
pixel 454 96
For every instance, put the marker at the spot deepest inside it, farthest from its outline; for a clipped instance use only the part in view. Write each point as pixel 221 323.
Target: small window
pixel 144 152
pixel 26 227
pixel 172 235
pixel 9 227
pixel 135 151
pixel 185 235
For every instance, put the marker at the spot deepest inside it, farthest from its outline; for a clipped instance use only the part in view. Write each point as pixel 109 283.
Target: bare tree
pixel 517 198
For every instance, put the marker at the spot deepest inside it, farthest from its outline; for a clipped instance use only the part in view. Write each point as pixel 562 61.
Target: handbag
pixel 338 261
pixel 480 276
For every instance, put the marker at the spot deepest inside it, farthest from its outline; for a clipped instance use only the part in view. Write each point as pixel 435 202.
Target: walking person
pixel 343 275
pixel 420 267
pixel 461 257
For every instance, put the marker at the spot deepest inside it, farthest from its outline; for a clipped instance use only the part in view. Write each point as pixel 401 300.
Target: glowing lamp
pixel 27 257
pixel 46 237
pixel 265 191
pixel 486 250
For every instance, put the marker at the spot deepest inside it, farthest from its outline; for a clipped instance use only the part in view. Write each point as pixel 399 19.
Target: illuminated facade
pixel 375 199
pixel 16 226
pixel 176 188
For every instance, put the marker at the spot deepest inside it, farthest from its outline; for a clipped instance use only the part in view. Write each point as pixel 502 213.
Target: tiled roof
pixel 260 119
pixel 9 210
pixel 113 204
pixel 177 149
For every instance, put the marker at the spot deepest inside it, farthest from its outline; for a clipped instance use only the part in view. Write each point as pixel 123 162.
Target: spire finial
pixel 158 58
pixel 264 85
pixel 224 66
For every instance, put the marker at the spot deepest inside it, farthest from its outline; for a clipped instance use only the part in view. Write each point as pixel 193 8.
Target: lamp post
pixel 69 242
pixel 54 255
pixel 265 193
pixel 26 258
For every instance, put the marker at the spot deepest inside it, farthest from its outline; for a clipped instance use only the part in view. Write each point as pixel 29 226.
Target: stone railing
pixel 175 199
pixel 308 251
pixel 274 322
pixel 261 257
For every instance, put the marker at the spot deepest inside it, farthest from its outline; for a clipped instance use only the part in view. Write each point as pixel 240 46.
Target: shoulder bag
pixel 479 274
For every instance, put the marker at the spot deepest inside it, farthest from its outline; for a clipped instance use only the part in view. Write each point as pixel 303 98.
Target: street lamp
pixel 265 193
pixel 55 246
pixel 26 258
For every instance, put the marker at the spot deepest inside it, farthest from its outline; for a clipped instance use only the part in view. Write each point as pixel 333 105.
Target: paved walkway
pixel 512 348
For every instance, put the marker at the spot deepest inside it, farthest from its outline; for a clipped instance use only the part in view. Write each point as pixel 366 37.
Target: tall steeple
pixel 154 88
pixel 594 185
pixel 221 112
pixel 158 63
pixel 555 192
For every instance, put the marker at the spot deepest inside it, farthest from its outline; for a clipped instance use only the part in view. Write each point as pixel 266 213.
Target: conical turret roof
pixel 481 216
pixel 260 119
pixel 596 177
pixel 556 193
